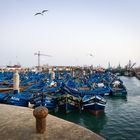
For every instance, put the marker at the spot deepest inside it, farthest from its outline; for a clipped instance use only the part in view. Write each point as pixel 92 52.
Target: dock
pixel 18 123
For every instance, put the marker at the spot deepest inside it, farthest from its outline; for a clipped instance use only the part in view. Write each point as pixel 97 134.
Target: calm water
pixel 121 120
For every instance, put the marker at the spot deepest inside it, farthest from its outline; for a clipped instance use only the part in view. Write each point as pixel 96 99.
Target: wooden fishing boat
pixel 68 101
pixel 93 104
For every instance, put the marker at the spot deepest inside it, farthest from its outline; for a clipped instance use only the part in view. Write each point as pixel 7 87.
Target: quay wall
pixel 18 123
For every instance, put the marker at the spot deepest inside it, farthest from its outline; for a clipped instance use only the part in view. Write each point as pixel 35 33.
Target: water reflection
pixel 93 122
pixel 85 119
pixel 117 98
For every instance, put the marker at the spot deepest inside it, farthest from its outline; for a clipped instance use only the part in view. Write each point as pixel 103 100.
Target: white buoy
pixel 16 82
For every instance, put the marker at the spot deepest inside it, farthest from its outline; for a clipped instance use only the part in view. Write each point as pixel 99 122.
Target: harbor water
pixel 121 119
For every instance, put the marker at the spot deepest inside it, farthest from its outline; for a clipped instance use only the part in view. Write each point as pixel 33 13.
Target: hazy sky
pixel 70 31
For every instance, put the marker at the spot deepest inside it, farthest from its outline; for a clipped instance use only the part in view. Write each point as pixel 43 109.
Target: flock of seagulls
pixel 41 13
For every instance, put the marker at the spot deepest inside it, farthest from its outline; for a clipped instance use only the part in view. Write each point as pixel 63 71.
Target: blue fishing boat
pixel 18 99
pixel 118 89
pixel 43 100
pixel 68 101
pixel 3 96
pixel 119 92
pixel 93 104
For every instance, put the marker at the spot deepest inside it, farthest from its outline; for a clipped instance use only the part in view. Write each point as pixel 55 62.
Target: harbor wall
pixel 18 123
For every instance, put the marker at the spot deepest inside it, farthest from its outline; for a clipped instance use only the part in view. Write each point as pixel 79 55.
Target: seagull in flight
pixel 91 54
pixel 38 14
pixel 44 11
pixel 41 13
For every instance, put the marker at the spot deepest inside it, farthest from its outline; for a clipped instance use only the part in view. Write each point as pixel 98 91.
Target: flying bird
pixel 41 13
pixel 44 11
pixel 38 14
pixel 91 54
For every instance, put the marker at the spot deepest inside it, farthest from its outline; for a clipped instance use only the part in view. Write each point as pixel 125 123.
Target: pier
pixel 18 123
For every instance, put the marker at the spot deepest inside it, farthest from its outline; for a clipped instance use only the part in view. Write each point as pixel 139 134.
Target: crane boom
pixel 133 65
pixel 42 54
pixel 39 54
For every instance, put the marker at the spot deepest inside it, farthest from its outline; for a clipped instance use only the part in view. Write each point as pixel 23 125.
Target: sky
pixel 70 31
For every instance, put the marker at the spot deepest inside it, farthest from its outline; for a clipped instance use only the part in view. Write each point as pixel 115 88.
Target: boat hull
pixel 67 103
pixel 119 92
pixel 94 104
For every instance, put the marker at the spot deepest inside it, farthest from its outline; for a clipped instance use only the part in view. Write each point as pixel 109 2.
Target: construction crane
pixel 130 65
pixel 39 54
